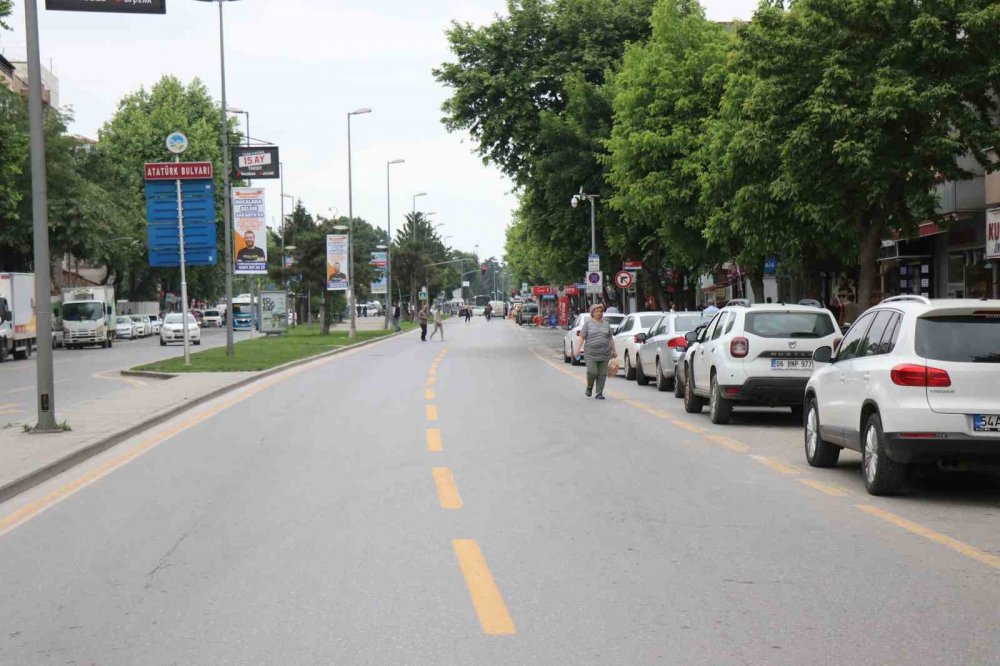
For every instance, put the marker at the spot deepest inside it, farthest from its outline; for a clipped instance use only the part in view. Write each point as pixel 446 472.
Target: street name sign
pixel 632 265
pixel 258 162
pixel 114 6
pixel 623 279
pixel 177 170
pixel 594 282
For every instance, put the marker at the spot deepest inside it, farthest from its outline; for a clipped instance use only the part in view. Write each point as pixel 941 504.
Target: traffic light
pixel 482 269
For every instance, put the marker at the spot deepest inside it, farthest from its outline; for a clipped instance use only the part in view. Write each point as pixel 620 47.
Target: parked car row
pixel 131 327
pixel 913 382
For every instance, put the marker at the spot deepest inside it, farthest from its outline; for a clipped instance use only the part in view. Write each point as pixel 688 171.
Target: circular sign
pixel 623 279
pixel 177 143
pixel 594 278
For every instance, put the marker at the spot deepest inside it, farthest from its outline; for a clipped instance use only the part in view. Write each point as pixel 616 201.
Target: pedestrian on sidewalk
pixel 438 326
pixel 396 312
pixel 422 317
pixel 599 347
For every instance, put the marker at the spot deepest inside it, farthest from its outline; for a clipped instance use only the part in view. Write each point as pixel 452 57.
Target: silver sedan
pixel 664 347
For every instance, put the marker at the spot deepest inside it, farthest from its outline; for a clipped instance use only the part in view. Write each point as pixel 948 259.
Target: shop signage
pixel 632 265
pixel 116 6
pixel 993 234
pixel 259 162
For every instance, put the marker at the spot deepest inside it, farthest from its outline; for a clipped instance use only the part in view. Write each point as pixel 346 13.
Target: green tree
pixel 666 91
pixel 887 97
pixel 6 6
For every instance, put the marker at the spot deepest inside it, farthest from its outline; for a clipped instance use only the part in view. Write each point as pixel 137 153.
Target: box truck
pixel 17 315
pixel 88 315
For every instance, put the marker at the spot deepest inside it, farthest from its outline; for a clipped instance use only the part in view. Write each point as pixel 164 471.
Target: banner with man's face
pixel 249 231
pixel 337 277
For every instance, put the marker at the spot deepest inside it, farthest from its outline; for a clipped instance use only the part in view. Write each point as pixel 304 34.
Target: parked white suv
pixel 915 381
pixel 760 355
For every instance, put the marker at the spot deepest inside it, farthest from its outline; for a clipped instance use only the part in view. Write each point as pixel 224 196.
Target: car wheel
pixel 797 411
pixel 692 403
pixel 818 452
pixel 27 350
pixel 111 342
pixel 678 385
pixel 882 476
pixel 662 383
pixel 162 343
pixel 629 370
pixel 566 357
pixel 719 409
pixel 640 377
pixel 197 342
pixel 3 350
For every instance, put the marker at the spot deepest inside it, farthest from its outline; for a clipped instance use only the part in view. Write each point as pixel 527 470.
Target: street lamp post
pixel 353 333
pixel 388 248
pixel 237 111
pixel 226 193
pixel 592 198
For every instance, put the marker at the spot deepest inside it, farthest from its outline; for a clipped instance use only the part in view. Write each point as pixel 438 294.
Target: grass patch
pixel 264 353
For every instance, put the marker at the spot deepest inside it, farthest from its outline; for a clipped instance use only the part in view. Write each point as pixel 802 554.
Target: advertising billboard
pixel 116 6
pixel 274 312
pixel 337 277
pixel 380 285
pixel 993 233
pixel 257 162
pixel 249 231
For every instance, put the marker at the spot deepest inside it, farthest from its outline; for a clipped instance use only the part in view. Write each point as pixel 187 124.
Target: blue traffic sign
pixel 162 236
pixel 192 257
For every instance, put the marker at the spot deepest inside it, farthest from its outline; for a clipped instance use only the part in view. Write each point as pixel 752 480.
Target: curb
pixel 43 474
pixel 148 374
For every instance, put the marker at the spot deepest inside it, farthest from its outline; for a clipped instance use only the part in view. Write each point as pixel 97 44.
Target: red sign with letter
pixel 563 311
pixel 542 291
pixel 177 170
pixel 572 290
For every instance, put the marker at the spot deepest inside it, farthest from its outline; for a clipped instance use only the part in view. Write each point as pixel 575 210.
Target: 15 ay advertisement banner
pixel 380 285
pixel 249 231
pixel 116 6
pixel 336 262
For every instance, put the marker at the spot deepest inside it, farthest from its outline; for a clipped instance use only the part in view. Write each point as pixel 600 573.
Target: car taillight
pixel 739 347
pixel 679 343
pixel 910 374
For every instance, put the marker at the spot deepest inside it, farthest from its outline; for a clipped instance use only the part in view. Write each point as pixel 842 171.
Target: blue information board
pixel 162 231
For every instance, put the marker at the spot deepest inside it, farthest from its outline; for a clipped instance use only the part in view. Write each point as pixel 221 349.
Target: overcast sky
pixel 298 66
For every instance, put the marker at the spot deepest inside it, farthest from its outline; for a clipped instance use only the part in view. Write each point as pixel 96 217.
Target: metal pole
pixel 184 286
pixel 227 194
pixel 353 333
pixel 388 248
pixel 593 240
pixel 40 227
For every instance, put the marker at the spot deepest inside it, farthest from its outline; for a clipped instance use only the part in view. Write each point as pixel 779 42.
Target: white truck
pixel 17 315
pixel 88 315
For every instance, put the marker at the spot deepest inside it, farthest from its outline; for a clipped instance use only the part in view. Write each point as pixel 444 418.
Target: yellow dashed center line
pixel 483 590
pixel 927 533
pixel 775 465
pixel 832 491
pixel 431 380
pixel 432 413
pixel 433 436
pixel 447 490
pixel 688 426
pixel 729 443
pixel 429 394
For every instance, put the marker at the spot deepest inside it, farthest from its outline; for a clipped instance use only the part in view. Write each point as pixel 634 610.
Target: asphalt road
pixel 464 503
pixel 82 374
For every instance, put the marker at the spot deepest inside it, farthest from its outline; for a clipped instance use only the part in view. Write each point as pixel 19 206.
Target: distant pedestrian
pixel 488 311
pixel 396 312
pixel 599 348
pixel 438 325
pixel 422 318
pixel 468 313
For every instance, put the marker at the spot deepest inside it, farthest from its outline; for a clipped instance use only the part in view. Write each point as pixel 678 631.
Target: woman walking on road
pixel 422 317
pixel 599 347
pixel 438 326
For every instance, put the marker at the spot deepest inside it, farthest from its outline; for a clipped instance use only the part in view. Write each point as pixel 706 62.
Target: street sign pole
pixel 184 284
pixel 40 228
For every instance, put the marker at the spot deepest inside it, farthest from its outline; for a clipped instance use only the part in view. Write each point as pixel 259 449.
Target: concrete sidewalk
pixel 27 459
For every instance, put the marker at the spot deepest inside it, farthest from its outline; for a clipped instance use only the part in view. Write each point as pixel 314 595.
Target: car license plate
pixel 986 423
pixel 791 364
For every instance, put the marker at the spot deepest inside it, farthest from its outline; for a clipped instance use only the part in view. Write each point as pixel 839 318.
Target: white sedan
pixel 173 329
pixel 627 342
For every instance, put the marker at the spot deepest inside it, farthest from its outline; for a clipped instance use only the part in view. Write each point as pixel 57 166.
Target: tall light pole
pixel 40 229
pixel 574 202
pixel 388 244
pixel 353 333
pixel 226 186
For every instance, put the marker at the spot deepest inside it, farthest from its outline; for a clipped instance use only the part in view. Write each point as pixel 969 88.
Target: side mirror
pixel 691 336
pixel 640 337
pixel 823 354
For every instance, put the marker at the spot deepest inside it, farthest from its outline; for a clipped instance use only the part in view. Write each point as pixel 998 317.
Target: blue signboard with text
pixel 162 230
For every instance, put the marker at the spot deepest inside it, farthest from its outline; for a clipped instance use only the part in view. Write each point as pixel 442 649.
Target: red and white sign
pixel 623 279
pixel 542 291
pixel 177 170
pixel 993 234
pixel 571 290
pixel 632 265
